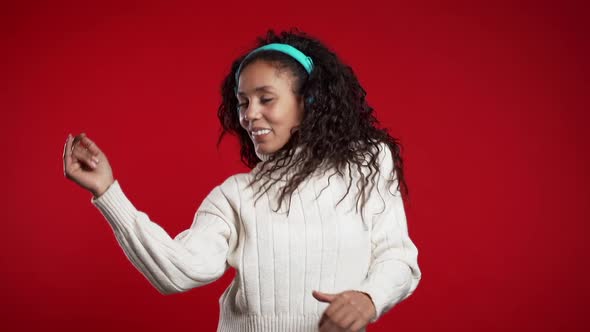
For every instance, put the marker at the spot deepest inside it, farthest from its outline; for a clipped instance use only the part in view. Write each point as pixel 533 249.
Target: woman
pixel 310 248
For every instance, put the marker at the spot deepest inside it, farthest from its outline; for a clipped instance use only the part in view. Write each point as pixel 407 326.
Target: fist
pixel 86 164
pixel 348 311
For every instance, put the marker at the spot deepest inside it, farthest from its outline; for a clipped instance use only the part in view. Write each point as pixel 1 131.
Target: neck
pixel 263 156
pixel 266 156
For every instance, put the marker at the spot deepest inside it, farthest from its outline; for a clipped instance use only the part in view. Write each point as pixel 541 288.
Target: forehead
pixel 262 76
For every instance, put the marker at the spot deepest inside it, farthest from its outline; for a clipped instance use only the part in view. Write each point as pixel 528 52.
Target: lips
pixel 260 138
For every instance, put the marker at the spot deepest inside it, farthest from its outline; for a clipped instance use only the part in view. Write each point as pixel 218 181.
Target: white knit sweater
pixel 279 258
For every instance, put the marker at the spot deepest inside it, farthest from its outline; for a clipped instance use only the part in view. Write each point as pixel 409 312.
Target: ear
pixel 301 104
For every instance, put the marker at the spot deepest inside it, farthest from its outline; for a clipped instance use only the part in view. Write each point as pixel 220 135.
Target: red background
pixel 490 102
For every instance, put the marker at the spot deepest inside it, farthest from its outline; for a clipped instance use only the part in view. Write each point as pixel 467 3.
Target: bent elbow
pixel 412 285
pixel 167 290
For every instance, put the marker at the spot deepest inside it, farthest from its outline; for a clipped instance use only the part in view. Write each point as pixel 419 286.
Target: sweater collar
pixel 266 157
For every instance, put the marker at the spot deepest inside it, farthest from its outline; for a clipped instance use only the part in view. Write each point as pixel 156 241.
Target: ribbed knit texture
pixel 279 258
pixel 262 156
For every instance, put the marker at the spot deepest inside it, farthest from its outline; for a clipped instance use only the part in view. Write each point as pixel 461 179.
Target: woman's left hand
pixel 348 311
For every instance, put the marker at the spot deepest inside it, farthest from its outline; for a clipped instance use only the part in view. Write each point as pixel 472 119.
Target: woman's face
pixel 267 106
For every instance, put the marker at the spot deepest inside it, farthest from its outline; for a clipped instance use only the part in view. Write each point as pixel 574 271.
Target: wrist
pixel 372 303
pixel 102 188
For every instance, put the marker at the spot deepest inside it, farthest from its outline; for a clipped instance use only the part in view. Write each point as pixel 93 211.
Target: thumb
pixel 323 297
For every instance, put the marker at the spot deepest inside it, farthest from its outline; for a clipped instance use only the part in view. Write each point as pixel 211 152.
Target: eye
pixel 262 101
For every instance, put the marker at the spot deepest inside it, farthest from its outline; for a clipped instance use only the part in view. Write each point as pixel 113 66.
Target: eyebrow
pixel 257 89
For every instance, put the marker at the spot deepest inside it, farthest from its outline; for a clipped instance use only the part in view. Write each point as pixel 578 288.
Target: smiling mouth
pixel 261 135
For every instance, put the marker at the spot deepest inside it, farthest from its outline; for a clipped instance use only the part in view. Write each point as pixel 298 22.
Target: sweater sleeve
pixel 394 273
pixel 195 257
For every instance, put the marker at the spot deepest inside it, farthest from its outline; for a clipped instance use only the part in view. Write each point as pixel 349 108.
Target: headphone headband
pixel 303 59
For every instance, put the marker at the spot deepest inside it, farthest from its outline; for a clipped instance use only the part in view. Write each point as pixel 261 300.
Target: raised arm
pixel 195 257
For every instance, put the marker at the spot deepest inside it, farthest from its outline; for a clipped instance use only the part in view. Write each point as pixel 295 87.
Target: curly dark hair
pixel 338 128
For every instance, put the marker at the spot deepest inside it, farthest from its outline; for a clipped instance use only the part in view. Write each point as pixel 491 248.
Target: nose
pixel 250 113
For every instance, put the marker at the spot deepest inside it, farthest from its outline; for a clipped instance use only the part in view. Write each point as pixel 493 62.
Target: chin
pixel 268 147
pixel 265 151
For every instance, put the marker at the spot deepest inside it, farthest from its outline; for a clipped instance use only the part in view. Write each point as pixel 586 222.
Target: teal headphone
pixel 303 59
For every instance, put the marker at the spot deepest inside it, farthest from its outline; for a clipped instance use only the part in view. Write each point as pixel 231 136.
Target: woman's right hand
pixel 87 165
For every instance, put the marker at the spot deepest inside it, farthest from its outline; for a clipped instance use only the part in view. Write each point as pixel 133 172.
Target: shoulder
pixel 387 173
pixel 236 183
pixel 383 156
pixel 223 199
pixel 382 149
pixel 230 187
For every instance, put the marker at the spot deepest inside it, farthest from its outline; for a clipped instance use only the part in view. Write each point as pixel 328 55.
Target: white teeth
pixel 261 132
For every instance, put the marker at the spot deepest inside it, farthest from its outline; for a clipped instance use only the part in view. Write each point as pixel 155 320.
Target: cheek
pixel 242 121
pixel 286 117
pixel 282 119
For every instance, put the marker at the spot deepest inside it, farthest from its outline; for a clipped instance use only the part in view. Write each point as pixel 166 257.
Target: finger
pixel 323 297
pixel 71 162
pixel 67 154
pixel 90 145
pixel 68 146
pixel 358 325
pixel 91 151
pixel 344 316
pixel 331 311
pixel 84 157
pixel 323 319
pixel 80 143
pixel 76 140
pixel 334 306
pixel 329 326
